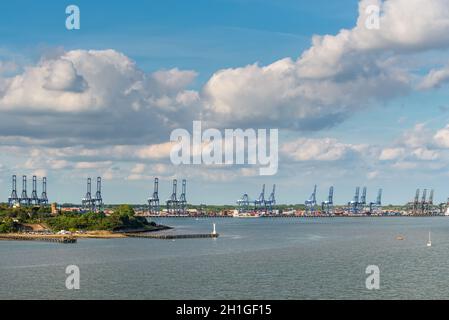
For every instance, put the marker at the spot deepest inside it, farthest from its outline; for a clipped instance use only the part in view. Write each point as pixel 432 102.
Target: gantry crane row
pixel 14 199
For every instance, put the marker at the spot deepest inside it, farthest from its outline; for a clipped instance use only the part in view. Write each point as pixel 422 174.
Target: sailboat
pixel 429 243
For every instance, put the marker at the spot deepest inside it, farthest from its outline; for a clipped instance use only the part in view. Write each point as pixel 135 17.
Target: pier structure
pixel 26 237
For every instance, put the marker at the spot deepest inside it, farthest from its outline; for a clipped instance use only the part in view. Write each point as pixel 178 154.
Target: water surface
pixel 272 258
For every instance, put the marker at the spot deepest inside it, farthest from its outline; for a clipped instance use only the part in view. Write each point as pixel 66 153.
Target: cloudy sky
pixel 354 106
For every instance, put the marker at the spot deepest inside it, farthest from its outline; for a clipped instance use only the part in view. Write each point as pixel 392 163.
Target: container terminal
pixel 176 205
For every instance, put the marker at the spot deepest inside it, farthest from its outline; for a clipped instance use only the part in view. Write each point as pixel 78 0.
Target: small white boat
pixel 429 242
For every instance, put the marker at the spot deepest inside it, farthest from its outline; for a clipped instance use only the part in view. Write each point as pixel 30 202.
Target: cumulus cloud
pixel 441 137
pixel 435 78
pixel 106 99
pixel 339 74
pixel 391 153
pixel 89 109
pixel 320 149
pixel 88 96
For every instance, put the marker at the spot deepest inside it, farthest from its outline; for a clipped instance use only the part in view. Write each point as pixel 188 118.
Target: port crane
pixel 34 197
pixel 271 202
pixel 172 202
pixel 311 202
pixel 98 201
pixel 24 197
pixel 243 203
pixel 327 206
pixel 153 201
pixel 376 207
pixel 44 198
pixel 182 198
pixel 14 199
pixel 353 206
pixel 260 203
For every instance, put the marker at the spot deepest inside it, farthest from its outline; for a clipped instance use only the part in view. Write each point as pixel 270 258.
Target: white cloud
pixel 391 153
pixel 405 165
pixel 336 76
pixel 138 168
pixel 321 149
pixel 425 154
pixel 100 95
pixel 372 175
pixel 441 137
pixel 435 78
pixel 92 165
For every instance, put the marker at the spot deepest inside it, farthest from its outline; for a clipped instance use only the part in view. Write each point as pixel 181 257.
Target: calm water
pixel 253 259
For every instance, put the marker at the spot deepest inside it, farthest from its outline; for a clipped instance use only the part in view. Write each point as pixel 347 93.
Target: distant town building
pixel 54 209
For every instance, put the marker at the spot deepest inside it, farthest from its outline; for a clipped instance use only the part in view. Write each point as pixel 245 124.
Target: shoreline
pixel 97 234
pixel 297 217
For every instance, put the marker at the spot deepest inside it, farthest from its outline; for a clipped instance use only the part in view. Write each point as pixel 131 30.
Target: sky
pixel 354 106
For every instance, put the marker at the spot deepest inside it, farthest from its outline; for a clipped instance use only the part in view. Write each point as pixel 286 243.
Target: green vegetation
pixel 7 225
pixel 123 218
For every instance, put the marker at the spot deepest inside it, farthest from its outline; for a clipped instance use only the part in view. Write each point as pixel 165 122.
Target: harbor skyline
pixel 383 122
pixel 211 157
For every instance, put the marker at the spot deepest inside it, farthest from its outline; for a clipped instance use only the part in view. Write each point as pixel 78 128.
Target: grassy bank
pixel 91 224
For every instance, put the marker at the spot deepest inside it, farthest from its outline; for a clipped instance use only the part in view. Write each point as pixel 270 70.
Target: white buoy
pixel 214 232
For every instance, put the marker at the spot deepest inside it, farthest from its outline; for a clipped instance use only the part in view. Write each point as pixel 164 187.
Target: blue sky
pixel 374 134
